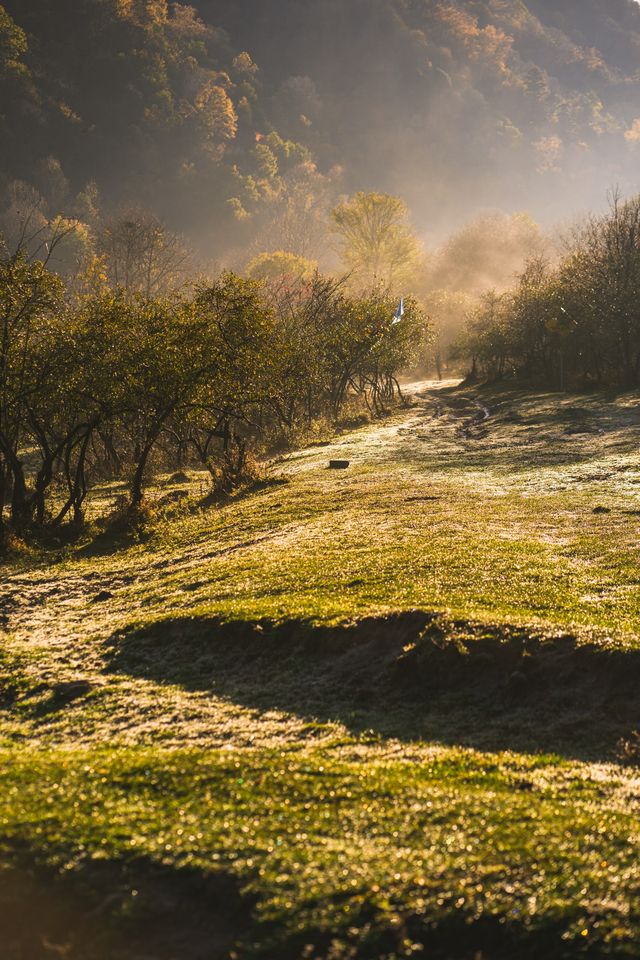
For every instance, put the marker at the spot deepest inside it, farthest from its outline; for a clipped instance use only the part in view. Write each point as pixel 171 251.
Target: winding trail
pixel 432 415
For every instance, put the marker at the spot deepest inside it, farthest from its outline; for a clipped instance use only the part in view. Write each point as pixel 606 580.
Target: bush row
pixel 576 320
pixel 110 384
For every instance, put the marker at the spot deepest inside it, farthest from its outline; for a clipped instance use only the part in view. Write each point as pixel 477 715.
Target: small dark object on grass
pixel 601 510
pixel 102 596
pixel 524 785
pixel 338 464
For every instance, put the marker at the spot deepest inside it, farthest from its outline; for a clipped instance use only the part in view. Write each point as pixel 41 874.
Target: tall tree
pixel 375 239
pixel 141 255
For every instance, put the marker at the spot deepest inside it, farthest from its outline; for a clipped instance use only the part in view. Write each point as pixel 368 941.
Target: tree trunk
pixel 3 494
pixel 21 509
pixel 143 456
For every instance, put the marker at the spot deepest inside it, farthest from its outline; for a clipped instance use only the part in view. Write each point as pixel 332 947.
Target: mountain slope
pixel 457 106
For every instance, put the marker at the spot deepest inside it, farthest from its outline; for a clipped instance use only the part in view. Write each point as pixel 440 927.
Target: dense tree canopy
pixel 233 120
pixel 101 381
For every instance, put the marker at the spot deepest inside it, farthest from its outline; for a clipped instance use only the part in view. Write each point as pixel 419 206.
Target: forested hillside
pixel 210 114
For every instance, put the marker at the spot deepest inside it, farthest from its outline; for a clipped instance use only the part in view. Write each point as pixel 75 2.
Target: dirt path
pixel 439 426
pixel 433 416
pixel 464 411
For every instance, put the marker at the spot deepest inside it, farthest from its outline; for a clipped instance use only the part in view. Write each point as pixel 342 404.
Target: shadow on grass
pixel 532 429
pixel 103 909
pixel 455 935
pixel 139 909
pixel 221 498
pixel 124 530
pixel 411 675
pixel 114 538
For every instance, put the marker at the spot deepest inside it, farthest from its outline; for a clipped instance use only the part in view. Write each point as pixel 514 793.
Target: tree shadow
pixel 115 538
pixel 412 676
pixel 120 532
pixel 523 434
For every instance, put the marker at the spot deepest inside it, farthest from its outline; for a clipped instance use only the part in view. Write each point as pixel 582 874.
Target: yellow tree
pixel 279 264
pixel 375 238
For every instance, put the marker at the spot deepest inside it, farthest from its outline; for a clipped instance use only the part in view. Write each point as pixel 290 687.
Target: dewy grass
pixel 353 849
pixel 350 790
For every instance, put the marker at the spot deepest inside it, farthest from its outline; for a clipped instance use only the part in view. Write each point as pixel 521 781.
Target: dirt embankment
pixel 407 675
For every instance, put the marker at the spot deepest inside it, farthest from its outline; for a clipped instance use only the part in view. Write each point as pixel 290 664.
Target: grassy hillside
pixel 361 713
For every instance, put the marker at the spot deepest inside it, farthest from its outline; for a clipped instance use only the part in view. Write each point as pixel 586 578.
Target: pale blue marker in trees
pixel 398 315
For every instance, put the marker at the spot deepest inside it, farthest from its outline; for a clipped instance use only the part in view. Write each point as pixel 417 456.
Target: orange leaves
pixel 213 108
pixel 632 135
pixel 486 45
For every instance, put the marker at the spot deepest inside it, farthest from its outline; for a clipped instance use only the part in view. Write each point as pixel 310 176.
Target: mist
pixel 219 116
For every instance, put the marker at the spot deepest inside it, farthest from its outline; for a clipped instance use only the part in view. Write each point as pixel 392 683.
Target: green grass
pixel 373 850
pixel 453 785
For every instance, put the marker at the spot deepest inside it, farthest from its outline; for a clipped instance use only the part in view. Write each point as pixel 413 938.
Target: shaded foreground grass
pixel 355 713
pixel 467 854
